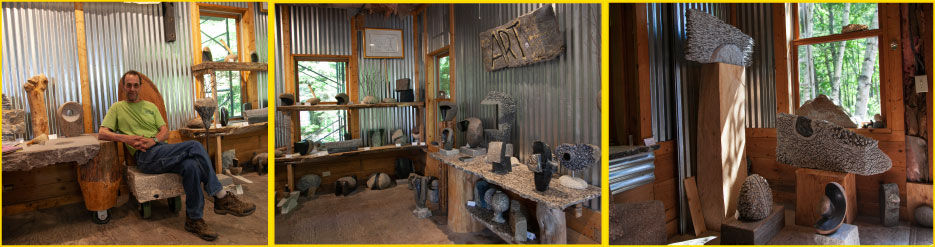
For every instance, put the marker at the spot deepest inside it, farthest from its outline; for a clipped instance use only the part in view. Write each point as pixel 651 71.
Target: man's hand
pixel 146 143
pixel 136 142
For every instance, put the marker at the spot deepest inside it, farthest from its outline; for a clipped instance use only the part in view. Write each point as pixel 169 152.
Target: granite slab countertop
pixel 79 149
pixel 521 182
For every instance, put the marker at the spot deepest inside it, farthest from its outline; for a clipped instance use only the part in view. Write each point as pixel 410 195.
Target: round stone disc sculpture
pixel 500 203
pixel 833 209
pixel 70 119
pixel 756 199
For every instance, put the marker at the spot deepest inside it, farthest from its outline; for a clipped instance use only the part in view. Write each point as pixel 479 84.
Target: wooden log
pixel 100 179
pixel 721 137
pixel 551 225
pixel 810 188
pixel 35 92
pixel 694 206
pixel 461 190
pixel 759 232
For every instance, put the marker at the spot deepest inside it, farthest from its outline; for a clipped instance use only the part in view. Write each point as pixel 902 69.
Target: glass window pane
pixel 327 78
pixel 218 34
pixel 444 78
pixel 851 79
pixel 323 126
pixel 822 19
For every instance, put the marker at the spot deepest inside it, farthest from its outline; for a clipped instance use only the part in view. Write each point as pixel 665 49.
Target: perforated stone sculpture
pixel 506 114
pixel 710 40
pixel 576 158
pixel 756 199
pixel 447 138
pixel 833 209
pixel 821 145
pixel 70 119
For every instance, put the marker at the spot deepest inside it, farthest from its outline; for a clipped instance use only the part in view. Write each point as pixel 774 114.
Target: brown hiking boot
pixel 230 204
pixel 200 228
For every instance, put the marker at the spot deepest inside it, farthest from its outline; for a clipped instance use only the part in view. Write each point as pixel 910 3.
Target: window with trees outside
pixel 219 33
pixel 837 56
pixel 444 77
pixel 323 80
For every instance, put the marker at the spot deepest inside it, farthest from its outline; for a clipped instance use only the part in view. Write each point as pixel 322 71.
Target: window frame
pixel 348 84
pixel 438 76
pixel 797 41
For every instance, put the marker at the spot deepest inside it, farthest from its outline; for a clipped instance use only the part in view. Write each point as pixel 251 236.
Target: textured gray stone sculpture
pixel 488 196
pixel 379 181
pixel 205 108
pixel 14 123
pixel 256 115
pixel 342 146
pixel 447 138
pixel 473 130
pixel 480 188
pixel 310 181
pixel 923 215
pixel 500 203
pixel 70 119
pixel 499 154
pixel 518 222
pixel 342 99
pixel 227 158
pixel 398 137
pixel 889 204
pixel 710 40
pixel 506 114
pixel 756 199
pixel 577 157
pixel 370 100
pixel 448 110
pixel 822 108
pixel 821 145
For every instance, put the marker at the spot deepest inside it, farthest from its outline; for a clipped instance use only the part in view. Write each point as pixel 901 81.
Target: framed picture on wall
pixel 383 43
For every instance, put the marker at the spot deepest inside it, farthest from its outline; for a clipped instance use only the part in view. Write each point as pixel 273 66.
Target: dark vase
pixel 542 179
pixel 301 147
pixel 225 115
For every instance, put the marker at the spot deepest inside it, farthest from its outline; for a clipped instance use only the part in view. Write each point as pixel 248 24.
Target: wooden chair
pixel 150 187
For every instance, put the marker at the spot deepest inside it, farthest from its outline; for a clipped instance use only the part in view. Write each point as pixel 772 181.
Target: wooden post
pixel 290 177
pixel 219 160
pixel 784 99
pixel 83 68
pixel 721 120
pixel 249 89
pixel 461 190
pixel 552 228
pixel 196 47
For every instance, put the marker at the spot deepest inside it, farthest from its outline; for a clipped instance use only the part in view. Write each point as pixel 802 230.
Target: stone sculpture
pixel 821 145
pixel 833 209
pixel 822 108
pixel 345 186
pixel 195 123
pixel 576 158
pixel 421 187
pixel 342 146
pixel 35 92
pixel 488 196
pixel 308 184
pixel 710 40
pixel 541 167
pixel 370 100
pixel 756 199
pixel 14 123
pixel 506 114
pixel 301 146
pixel 473 130
pixel 227 158
pixel 402 84
pixel 518 223
pixel 433 190
pixel 398 137
pixel 256 115
pixel 206 54
pixel 224 115
pixel 889 204
pixel 853 28
pixel 376 137
pixel 388 100
pixel 499 154
pixel 500 203
pixel 342 99
pixel 448 110
pixel 287 99
pixel 447 138
pixel 480 188
pixel 923 215
pixel 379 181
pixel 70 119
pixel 415 133
pixel 205 108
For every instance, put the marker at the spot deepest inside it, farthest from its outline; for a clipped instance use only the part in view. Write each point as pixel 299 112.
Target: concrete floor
pixel 71 224
pixel 369 217
pixel 869 230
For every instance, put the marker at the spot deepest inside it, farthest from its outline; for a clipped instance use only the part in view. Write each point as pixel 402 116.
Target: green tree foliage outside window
pixel 216 33
pixel 444 77
pixel 327 79
pixel 848 72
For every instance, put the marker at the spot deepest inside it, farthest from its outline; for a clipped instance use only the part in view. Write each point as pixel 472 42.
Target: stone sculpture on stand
pixel 447 142
pixel 541 164
pixel 287 99
pixel 576 158
pixel 506 114
pixel 833 208
pixel 473 130
pixel 342 99
pixel 35 92
pixel 889 204
pixel 710 40
pixel 448 110
pixel 821 145
pixel 499 155
pixel 822 108
pixel 500 203
pixel 420 186
pixel 70 119
pixel 756 199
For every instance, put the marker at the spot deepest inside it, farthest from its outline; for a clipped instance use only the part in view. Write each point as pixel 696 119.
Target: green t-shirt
pixel 136 119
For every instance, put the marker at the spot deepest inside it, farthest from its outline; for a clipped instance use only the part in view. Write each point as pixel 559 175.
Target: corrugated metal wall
pixel 756 20
pixel 230 4
pixel 124 36
pixel 27 52
pixel 320 31
pixel 558 101
pixel 437 25
pixel 388 119
pixel 260 31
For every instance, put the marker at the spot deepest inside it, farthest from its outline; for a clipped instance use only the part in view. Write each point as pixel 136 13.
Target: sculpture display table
pixel 550 204
pixel 218 133
pixel 40 176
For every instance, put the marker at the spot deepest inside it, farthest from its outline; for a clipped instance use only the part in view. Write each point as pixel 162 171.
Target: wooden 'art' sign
pixel 531 38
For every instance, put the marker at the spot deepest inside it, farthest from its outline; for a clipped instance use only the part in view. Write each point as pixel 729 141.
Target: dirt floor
pixel 71 224
pixel 369 217
pixel 869 230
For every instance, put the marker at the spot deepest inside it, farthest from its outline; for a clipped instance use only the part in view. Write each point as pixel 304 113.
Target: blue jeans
pixel 188 159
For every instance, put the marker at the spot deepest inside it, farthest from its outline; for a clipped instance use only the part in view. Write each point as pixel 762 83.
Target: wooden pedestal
pixel 460 191
pixel 721 141
pixel 759 232
pixel 810 188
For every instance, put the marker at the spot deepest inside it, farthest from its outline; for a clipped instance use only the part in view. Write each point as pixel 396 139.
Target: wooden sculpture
pixel 35 93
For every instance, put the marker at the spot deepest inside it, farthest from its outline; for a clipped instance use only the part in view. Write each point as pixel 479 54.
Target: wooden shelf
pixel 206 67
pixel 222 131
pixel 291 108
pixel 503 230
pixel 322 156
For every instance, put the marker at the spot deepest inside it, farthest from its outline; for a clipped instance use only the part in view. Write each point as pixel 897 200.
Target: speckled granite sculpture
pixel 308 184
pixel 506 114
pixel 822 108
pixel 448 110
pixel 756 199
pixel 818 144
pixel 149 187
pixel 576 158
pixel 710 40
pixel 500 203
